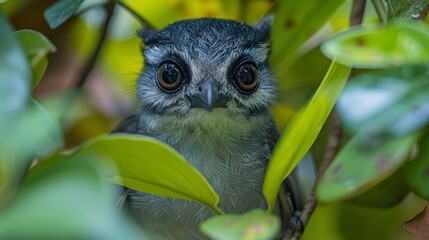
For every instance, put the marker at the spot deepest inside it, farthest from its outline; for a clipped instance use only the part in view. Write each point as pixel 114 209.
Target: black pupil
pixel 245 75
pixel 170 74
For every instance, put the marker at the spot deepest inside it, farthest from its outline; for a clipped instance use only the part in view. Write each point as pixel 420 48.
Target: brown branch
pixel 333 145
pixel 357 13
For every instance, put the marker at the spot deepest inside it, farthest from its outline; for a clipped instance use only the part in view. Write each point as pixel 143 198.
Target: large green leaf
pixel 417 171
pixel 37 47
pixel 295 22
pixel 70 200
pixel 363 163
pixel 59 12
pixel 15 74
pixel 34 133
pixel 377 46
pixel 148 165
pixel 391 102
pixel 303 130
pixel 256 224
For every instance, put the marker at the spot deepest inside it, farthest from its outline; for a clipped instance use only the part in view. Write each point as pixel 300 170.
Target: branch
pixel 110 7
pixel 333 145
pixel 141 20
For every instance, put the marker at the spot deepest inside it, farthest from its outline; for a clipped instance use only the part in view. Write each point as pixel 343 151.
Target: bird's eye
pixel 169 76
pixel 246 77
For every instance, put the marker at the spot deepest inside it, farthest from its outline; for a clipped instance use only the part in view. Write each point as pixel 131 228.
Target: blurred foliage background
pixel 108 96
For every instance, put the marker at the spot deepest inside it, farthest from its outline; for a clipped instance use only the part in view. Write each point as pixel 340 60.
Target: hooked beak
pixel 208 96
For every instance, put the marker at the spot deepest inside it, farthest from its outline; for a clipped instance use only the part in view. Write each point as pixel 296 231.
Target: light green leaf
pixel 417 171
pixel 363 163
pixel 377 46
pixel 70 200
pixel 256 224
pixel 148 165
pixel 303 130
pixel 37 47
pixel 295 22
pixel 59 12
pixel 392 102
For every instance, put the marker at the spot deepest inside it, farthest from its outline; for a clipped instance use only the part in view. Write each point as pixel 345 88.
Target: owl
pixel 206 89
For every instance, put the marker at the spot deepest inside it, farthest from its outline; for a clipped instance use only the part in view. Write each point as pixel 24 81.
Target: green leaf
pixel 148 165
pixel 59 12
pixel 377 46
pixel 37 47
pixel 14 75
pixel 256 224
pixel 363 163
pixel 295 22
pixel 69 200
pixel 386 194
pixel 417 171
pixel 34 133
pixel 391 102
pixel 303 130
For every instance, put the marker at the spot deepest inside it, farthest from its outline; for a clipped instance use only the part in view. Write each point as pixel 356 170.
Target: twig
pixel 141 20
pixel 110 7
pixel 356 18
pixel 356 15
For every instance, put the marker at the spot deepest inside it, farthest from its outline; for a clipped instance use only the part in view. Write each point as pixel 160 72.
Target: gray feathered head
pixel 203 71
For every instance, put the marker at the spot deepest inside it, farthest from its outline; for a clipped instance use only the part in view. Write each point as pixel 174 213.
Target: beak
pixel 208 96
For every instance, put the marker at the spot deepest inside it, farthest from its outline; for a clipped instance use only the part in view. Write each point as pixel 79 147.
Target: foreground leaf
pixel 15 75
pixel 35 133
pixel 378 46
pixel 59 12
pixel 148 165
pixel 417 171
pixel 256 224
pixel 69 200
pixel 301 133
pixel 363 163
pixel 37 47
pixel 391 102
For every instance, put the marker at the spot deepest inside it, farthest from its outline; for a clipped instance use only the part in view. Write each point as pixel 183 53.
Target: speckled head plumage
pixel 208 55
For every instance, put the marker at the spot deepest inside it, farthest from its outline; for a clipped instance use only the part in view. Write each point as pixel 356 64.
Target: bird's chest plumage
pixel 234 166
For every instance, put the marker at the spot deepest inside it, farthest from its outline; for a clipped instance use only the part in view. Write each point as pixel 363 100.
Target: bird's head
pixel 207 72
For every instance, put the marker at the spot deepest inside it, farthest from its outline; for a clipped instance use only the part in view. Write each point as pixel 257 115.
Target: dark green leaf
pixel 417 171
pixel 377 46
pixel 386 194
pixel 391 102
pixel 37 47
pixel 69 200
pixel 256 224
pixel 363 163
pixel 301 133
pixel 295 22
pixel 59 12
